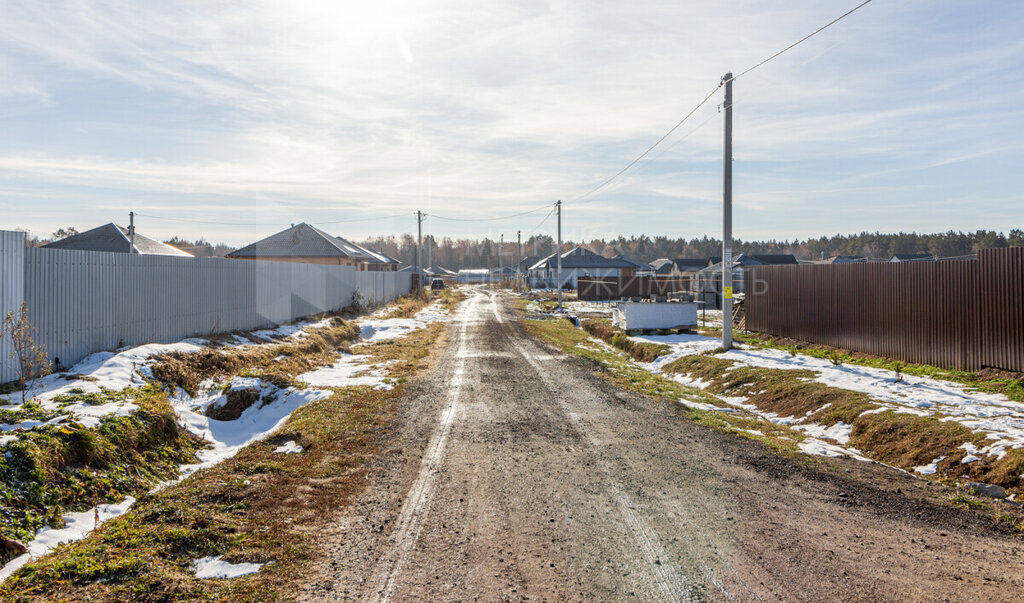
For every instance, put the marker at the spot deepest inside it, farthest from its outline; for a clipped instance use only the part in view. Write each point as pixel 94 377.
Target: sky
pixel 232 120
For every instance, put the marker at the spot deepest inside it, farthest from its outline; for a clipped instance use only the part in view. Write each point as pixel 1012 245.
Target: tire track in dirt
pixel 417 501
pixel 669 582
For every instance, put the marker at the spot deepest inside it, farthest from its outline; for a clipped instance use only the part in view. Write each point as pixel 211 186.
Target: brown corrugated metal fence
pixel 610 287
pixel 964 314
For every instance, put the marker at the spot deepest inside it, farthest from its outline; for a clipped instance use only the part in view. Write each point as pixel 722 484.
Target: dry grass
pixel 637 350
pixel 898 439
pixel 276 363
pixel 255 507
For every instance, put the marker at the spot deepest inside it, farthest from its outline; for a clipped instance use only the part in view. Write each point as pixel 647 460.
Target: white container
pixel 631 316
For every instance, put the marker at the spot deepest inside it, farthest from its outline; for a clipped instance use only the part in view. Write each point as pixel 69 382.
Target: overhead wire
pixel 537 227
pixel 494 218
pixel 712 93
pixel 801 40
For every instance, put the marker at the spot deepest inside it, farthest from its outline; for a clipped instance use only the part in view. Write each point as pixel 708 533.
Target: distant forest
pixel 473 253
pixel 469 253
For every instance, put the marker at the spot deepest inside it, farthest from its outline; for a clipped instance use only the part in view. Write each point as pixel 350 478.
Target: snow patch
pixel 289 447
pixel 347 371
pixel 76 527
pixel 931 467
pixel 215 567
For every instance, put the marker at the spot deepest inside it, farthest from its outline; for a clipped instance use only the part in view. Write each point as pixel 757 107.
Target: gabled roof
pixel 635 263
pixel 666 266
pixel 440 271
pixel 414 270
pixel 583 258
pixel 661 265
pixel 302 241
pixel 528 261
pixel 115 239
pixel 911 257
pixel 752 260
pixel 845 259
pixel 767 259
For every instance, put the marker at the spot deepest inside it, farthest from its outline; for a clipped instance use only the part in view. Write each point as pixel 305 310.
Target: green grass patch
pixel 258 506
pixel 52 470
pixel 966 501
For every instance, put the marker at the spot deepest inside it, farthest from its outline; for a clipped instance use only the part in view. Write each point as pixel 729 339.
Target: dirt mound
pixel 235 403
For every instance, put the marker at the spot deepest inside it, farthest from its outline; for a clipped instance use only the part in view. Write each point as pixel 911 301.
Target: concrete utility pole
pixel 558 253
pixel 501 256
pixel 419 240
pixel 727 221
pixel 131 231
pixel 519 256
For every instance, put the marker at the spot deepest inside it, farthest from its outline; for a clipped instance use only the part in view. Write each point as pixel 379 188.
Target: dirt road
pixel 515 473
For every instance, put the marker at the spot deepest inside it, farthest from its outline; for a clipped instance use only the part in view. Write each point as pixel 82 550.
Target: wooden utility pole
pixel 727 221
pixel 558 253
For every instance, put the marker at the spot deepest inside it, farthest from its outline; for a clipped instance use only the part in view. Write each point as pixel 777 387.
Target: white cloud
pixel 308 108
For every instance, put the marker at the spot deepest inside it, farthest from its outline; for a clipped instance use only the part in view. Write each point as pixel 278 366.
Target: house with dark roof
pixel 707 283
pixel 912 257
pixel 113 238
pixel 304 243
pixel 577 263
pixel 680 266
pixel 440 271
pixel 530 260
pixel 846 259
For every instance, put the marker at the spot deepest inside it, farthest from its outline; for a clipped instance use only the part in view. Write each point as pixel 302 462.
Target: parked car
pixel 436 284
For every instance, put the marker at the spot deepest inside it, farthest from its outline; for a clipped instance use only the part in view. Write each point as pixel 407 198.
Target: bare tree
pixel 28 357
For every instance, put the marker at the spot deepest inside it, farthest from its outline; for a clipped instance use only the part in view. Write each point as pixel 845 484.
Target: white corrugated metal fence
pixel 84 301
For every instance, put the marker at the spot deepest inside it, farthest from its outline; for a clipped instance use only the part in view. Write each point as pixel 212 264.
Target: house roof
pixel 302 241
pixel 528 261
pixel 752 260
pixel 584 258
pixel 414 270
pixel 440 271
pixel 759 259
pixel 636 264
pixel 115 239
pixel 844 259
pixel 661 265
pixel 911 257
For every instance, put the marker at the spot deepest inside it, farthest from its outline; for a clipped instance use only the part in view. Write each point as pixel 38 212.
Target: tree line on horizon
pixel 471 253
pixel 455 254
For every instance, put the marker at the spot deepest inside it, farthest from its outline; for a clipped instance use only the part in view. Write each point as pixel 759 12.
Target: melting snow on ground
pixel 347 371
pixel 931 467
pixel 995 415
pixel 226 438
pixel 375 328
pixel 289 447
pixel 76 527
pixel 215 567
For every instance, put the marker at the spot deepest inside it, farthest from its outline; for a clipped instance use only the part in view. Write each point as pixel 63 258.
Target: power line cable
pixel 537 227
pixel 803 39
pixel 650 148
pixel 505 217
pixel 712 93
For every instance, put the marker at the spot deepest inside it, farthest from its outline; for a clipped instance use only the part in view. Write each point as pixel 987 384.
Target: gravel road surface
pixel 515 473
